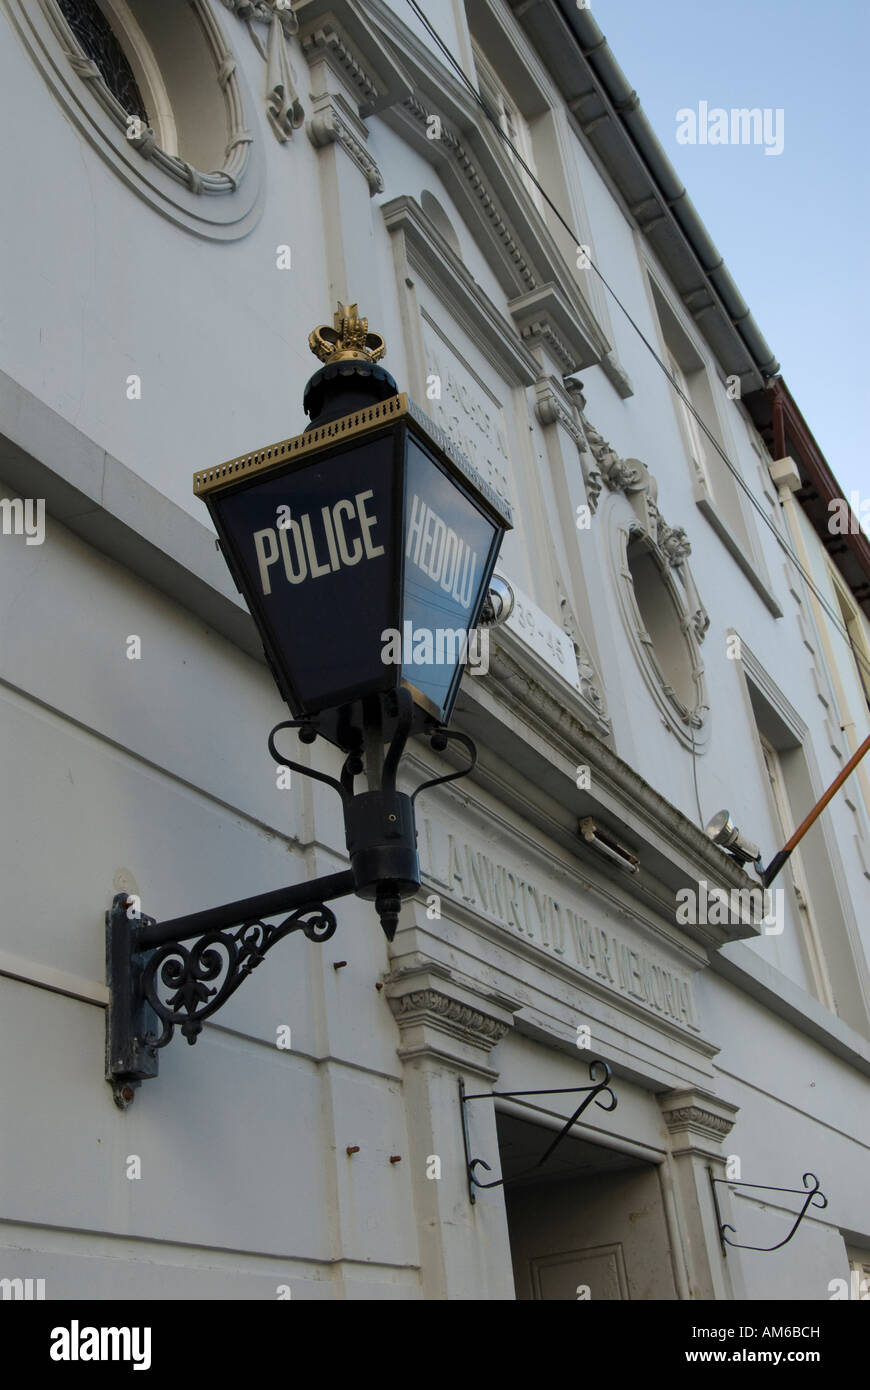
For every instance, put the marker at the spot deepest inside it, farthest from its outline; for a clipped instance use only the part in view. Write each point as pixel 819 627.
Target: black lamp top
pixel 350 378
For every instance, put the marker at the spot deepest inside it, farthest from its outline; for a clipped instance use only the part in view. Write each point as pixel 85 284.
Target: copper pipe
pixel 779 859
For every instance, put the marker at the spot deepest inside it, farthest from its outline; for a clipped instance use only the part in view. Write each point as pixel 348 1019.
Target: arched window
pixel 663 622
pixel 101 45
pixel 155 88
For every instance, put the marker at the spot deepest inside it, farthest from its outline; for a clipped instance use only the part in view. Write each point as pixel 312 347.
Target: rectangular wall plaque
pixel 543 635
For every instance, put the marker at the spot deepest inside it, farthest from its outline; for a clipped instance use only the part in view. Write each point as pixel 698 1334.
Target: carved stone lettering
pixel 469 416
pixel 527 908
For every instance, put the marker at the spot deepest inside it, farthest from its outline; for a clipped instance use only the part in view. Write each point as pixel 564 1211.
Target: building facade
pixel 189 189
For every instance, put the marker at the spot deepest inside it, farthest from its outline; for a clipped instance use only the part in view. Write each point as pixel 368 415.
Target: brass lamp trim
pixel 359 422
pixel 336 431
pixel 349 340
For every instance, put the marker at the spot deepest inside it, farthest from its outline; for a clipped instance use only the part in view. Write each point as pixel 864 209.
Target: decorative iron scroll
pixel 188 974
pixel 96 38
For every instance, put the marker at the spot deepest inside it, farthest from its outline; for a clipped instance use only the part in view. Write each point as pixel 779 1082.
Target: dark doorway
pixel 589 1225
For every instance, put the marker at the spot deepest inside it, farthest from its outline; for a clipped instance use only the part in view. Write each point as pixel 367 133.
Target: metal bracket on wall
pixel 157 983
pixel 811 1191
pixel 590 1093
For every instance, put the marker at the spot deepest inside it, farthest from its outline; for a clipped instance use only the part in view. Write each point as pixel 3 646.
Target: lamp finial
pixel 350 339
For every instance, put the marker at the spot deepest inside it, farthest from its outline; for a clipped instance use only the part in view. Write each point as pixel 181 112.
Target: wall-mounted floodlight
pixel 724 832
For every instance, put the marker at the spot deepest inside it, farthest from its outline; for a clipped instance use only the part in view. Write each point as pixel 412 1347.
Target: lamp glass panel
pixel 314 553
pixel 448 543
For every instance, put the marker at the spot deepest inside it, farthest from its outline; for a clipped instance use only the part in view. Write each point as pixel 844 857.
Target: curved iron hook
pixel 340 787
pixel 482 1163
pixel 599 1075
pixel 439 741
pixel 602 1085
pixel 812 1194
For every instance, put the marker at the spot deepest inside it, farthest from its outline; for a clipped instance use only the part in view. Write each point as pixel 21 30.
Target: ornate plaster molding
pixel 345 35
pixel 328 41
pixel 451 142
pixel 142 138
pixel 283 106
pixel 542 331
pixel 588 461
pixel 553 407
pixel 670 548
pixel 614 471
pixel 556 404
pixel 331 124
pixel 353 76
pixel 545 317
pixel 590 680
pixel 450 1015
pixel 697 1118
pixel 633 478
pixel 443 1015
pixel 170 184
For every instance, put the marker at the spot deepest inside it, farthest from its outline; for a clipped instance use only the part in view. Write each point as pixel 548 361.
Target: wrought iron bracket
pixel 157 983
pixel 590 1094
pixel 811 1192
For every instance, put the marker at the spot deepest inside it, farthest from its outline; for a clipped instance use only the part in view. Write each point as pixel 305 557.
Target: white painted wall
pixel 154 773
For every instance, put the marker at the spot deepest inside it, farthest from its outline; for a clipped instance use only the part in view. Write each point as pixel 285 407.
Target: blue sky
pixel 792 228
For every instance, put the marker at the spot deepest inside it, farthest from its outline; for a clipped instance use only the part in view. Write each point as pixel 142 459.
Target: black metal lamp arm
pixel 157 983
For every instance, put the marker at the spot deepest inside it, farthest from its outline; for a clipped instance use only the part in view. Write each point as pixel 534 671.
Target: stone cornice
pixel 515 669
pixel 441 1014
pixel 490 192
pixel 450 141
pixel 439 266
pixel 328 42
pixel 516 702
pixel 697 1120
pixel 329 124
pixel 341 33
pixel 553 406
pixel 544 314
pixel 451 1016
